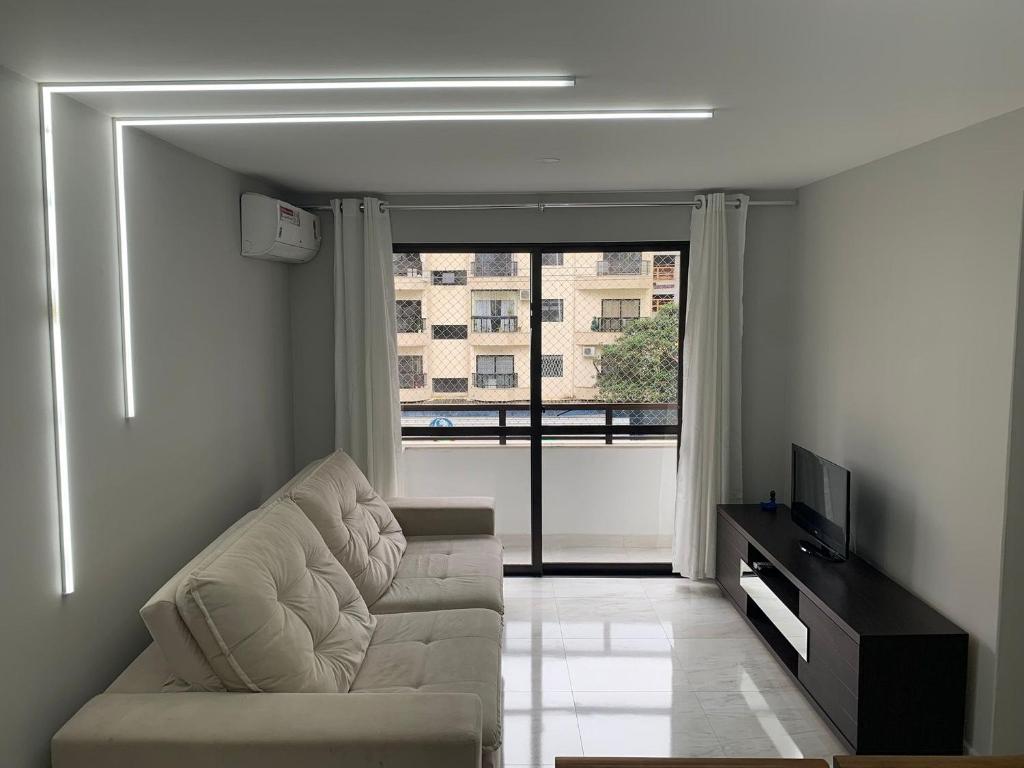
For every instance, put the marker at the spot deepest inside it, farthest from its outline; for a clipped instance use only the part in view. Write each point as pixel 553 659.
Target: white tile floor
pixel 644 667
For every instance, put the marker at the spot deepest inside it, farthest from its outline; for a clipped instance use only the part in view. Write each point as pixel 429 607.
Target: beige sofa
pixel 325 628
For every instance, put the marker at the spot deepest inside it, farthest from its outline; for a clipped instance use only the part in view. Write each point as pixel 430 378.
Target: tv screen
pixel 821 500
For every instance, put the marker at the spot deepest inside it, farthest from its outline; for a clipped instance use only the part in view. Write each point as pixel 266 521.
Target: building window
pixel 623 263
pixel 495 371
pixel 616 314
pixel 551 310
pixel 409 315
pixel 495 265
pixel 448 332
pixel 407 264
pixel 551 366
pixel 448 277
pixel 664 268
pixel 445 386
pixel 410 371
pixel 552 259
pixel 495 311
pixel 660 300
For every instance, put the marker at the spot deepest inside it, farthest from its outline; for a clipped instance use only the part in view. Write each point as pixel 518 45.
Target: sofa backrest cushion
pixel 274 611
pixel 354 521
pixel 162 619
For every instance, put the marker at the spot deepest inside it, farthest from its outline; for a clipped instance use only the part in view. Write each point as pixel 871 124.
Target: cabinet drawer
pixel 727 569
pixel 832 696
pixel 728 534
pixel 830 672
pixel 834 648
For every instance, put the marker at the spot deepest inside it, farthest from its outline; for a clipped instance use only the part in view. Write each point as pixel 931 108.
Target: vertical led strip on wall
pixel 67 566
pixel 50 212
pixel 122 251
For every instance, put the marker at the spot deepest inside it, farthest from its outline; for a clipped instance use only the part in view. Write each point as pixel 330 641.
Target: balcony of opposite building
pixel 617 275
pixel 498 274
pixel 498 331
pixel 604 330
pixel 411 331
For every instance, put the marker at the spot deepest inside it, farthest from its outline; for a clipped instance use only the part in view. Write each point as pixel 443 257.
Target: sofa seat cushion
pixel 455 651
pixel 274 611
pixel 443 572
pixel 354 521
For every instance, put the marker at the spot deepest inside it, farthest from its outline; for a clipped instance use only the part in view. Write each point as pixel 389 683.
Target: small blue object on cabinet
pixel 770 504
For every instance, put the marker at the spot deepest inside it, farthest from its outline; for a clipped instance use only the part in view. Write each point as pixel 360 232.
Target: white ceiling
pixel 802 88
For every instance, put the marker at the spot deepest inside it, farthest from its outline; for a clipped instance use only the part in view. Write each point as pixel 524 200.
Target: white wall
pixel 589 488
pixel 904 301
pixel 1008 737
pixel 213 432
pixel 769 245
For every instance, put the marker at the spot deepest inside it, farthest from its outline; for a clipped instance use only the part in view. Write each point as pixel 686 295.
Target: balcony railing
pixel 638 267
pixel 411 324
pixel 610 422
pixel 408 270
pixel 412 380
pixel 496 380
pixel 611 324
pixel 494 269
pixel 495 324
pixel 664 274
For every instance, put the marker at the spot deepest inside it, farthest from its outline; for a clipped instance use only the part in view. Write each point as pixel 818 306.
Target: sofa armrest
pixel 444 516
pixel 264 730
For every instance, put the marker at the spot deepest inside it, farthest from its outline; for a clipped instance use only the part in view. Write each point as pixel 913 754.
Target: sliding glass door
pixel 547 377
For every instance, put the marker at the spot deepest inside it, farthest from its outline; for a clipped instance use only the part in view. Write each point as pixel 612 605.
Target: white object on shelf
pixel 278 231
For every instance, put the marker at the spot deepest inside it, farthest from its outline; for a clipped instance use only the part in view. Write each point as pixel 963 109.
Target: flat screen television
pixel 821 504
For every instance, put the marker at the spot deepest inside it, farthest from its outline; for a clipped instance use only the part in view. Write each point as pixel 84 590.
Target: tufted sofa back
pixel 274 611
pixel 354 521
pixel 164 621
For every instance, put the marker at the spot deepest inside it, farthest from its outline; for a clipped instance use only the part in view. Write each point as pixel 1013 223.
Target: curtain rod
pixel 541 206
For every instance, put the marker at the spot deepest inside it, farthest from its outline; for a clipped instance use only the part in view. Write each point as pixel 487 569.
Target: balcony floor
pixel 644 667
pixel 588 548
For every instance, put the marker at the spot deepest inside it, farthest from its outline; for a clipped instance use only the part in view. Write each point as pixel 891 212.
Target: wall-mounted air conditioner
pixel 278 231
pixel 591 351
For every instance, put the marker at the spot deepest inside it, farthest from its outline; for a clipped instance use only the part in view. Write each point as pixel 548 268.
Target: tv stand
pixel 888 672
pixel 817 549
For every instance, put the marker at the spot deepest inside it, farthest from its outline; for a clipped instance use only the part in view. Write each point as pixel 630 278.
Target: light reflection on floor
pixel 644 667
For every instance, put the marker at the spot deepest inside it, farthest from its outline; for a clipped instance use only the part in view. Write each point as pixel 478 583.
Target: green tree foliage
pixel 642 365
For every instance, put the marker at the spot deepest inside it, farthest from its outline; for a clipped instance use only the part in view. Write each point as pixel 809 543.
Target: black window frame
pixel 537 430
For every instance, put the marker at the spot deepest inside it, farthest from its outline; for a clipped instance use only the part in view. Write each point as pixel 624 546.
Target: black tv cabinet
pixel 887 671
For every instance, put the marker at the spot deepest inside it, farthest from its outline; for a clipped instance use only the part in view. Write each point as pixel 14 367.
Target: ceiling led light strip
pixel 426 117
pixel 318 85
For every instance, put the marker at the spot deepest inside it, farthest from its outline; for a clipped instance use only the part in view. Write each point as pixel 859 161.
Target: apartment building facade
pixel 464 320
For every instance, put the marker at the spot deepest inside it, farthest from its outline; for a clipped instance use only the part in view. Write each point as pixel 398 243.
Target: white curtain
pixel 710 458
pixel 367 418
